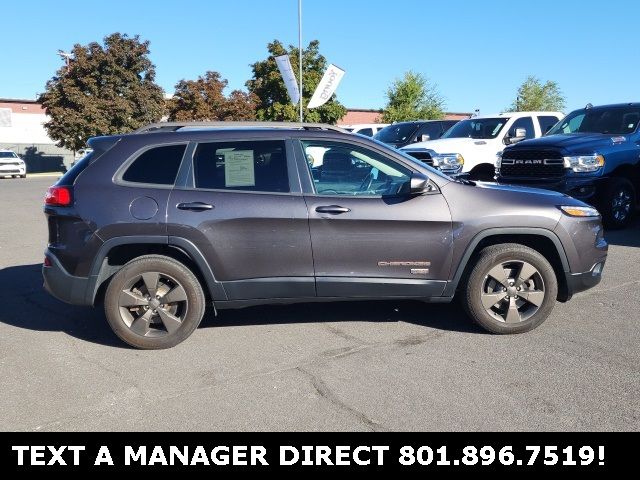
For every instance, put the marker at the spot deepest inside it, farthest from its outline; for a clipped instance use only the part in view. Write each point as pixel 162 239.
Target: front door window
pixel 345 169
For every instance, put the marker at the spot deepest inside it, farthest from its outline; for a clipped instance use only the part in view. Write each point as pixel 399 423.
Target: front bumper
pixel 579 282
pixel 12 170
pixel 62 285
pixel 581 188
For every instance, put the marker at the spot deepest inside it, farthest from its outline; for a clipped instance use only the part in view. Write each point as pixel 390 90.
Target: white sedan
pixel 11 165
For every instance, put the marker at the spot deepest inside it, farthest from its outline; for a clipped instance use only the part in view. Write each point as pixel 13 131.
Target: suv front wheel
pixel 154 302
pixel 511 289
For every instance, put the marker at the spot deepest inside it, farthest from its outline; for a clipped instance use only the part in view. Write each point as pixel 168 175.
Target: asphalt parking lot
pixel 346 366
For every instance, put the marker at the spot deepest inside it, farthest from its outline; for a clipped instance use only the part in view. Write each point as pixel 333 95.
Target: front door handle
pixel 194 206
pixel 334 209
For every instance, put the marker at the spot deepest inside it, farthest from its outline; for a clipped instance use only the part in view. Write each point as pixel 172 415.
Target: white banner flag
pixel 327 86
pixel 284 65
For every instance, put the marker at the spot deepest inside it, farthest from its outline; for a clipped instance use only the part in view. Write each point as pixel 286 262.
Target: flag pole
pixel 300 53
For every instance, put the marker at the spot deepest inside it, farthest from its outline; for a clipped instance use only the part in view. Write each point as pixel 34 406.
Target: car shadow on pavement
pixel 627 237
pixel 438 316
pixel 27 305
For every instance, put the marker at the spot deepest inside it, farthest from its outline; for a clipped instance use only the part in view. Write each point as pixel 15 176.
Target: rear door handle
pixel 334 209
pixel 195 206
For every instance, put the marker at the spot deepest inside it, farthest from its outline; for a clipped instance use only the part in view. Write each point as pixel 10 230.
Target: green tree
pixel 103 90
pixel 412 97
pixel 533 96
pixel 273 100
pixel 204 100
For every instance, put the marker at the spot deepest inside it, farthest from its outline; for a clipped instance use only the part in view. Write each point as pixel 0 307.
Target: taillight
pixel 47 261
pixel 58 196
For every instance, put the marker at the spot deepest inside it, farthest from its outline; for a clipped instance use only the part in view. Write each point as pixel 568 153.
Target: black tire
pixel 483 173
pixel 618 203
pixel 23 176
pixel 481 288
pixel 144 324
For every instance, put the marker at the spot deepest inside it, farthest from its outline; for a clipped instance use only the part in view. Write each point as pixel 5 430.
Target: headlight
pixel 448 162
pixel 580 211
pixel 584 163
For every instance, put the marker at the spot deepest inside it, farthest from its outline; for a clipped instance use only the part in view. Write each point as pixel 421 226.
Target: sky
pixel 476 53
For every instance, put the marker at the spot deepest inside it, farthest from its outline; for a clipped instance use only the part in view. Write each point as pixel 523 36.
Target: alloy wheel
pixel 153 304
pixel 513 291
pixel 621 205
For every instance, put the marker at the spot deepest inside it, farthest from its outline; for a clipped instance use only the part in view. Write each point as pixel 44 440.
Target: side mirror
pixel 520 135
pixel 424 138
pixel 419 183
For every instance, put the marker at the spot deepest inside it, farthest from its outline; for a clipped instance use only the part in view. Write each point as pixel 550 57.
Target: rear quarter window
pixel 157 166
pixel 69 178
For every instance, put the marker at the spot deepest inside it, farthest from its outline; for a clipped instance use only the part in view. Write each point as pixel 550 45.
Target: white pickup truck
pixel 472 146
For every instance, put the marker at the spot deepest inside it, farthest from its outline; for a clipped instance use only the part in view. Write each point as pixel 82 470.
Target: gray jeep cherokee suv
pixel 162 222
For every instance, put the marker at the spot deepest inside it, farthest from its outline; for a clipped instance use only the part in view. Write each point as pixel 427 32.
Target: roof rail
pixel 175 126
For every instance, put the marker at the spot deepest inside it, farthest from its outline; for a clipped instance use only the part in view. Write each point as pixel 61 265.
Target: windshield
pixel 8 155
pixel 608 121
pixel 481 128
pixel 397 133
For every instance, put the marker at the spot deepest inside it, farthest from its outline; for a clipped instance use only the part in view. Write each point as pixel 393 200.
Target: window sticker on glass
pixel 239 169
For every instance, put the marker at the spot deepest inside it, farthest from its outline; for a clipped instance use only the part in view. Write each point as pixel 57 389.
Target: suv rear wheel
pixel 618 203
pixel 154 302
pixel 511 289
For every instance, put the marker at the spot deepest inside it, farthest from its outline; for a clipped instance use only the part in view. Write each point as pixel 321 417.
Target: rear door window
pixel 157 166
pixel 257 166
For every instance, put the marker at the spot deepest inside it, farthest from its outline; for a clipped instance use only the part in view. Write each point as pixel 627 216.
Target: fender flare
pixel 490 232
pixel 98 274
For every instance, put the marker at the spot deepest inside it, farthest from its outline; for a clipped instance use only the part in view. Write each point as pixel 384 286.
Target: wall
pixel 41 157
pixel 361 115
pixel 22 130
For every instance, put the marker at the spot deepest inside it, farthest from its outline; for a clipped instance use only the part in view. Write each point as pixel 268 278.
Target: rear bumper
pixel 62 285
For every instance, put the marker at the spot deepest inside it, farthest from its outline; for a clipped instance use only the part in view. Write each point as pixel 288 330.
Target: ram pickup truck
pixel 472 146
pixel 593 154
